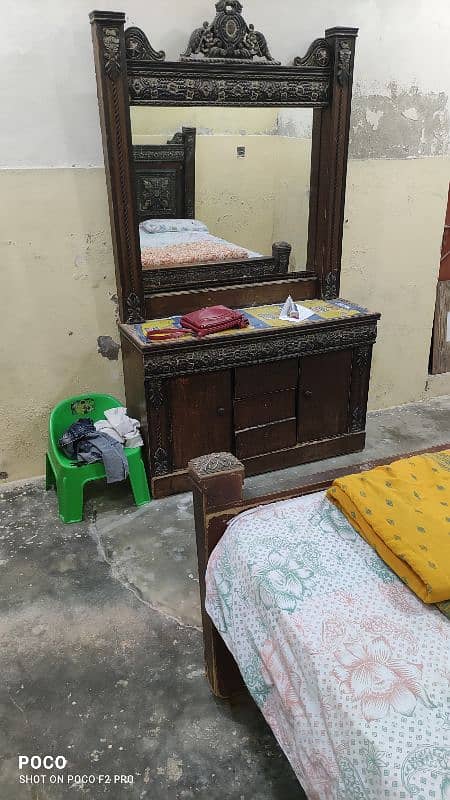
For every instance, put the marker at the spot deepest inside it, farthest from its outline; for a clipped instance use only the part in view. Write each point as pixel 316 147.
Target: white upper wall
pixel 48 111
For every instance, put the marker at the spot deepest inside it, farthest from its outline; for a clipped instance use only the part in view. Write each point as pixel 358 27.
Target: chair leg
pixel 138 480
pixel 49 474
pixel 70 499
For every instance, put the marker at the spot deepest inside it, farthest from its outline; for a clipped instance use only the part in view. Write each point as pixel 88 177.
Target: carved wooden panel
pixel 157 195
pixel 211 356
pixel 166 86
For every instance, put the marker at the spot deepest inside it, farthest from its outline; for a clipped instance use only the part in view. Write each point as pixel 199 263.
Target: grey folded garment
pixel 101 447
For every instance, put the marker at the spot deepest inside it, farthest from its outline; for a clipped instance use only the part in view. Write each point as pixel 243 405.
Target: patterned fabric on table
pixel 264 317
pixel 403 511
pixel 350 669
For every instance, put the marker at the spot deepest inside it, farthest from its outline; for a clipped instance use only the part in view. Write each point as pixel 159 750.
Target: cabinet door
pixel 201 416
pixel 324 395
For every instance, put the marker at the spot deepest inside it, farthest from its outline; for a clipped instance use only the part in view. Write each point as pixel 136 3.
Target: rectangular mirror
pixel 221 184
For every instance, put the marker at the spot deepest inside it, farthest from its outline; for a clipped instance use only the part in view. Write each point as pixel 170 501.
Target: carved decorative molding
pixel 344 61
pixel 156 194
pixel 161 462
pixel 214 462
pixel 227 38
pixel 134 310
pixel 362 358
pixel 207 275
pixel 154 390
pixel 357 419
pixel 318 55
pixel 138 47
pixel 214 357
pixel 162 152
pixel 331 285
pixel 111 52
pixel 230 90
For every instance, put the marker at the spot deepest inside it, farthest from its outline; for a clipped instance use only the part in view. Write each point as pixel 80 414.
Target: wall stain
pixel 3 476
pixel 108 348
pixel 404 123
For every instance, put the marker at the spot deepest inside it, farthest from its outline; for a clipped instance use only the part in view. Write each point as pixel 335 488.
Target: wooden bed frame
pixel 218 494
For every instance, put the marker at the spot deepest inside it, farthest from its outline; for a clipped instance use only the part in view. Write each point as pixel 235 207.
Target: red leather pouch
pixel 213 320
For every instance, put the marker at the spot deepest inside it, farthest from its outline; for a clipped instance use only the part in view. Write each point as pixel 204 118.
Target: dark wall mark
pixel 108 348
pixel 3 476
pixel 404 123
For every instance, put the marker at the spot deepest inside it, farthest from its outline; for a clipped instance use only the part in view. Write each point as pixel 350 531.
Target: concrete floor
pixel 101 652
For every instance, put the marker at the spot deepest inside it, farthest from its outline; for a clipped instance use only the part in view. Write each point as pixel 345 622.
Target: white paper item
pixel 294 312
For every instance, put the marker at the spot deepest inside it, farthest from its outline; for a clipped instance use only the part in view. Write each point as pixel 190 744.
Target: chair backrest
pixel 81 406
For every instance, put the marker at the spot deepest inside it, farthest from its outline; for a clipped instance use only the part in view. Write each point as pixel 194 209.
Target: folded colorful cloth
pixel 120 427
pixel 403 512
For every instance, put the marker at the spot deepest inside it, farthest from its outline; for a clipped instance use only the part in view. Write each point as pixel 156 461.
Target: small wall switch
pixel 241 152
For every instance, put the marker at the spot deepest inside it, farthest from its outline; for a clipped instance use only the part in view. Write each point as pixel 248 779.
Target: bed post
pixel 281 252
pixel 329 154
pixel 112 90
pixel 218 481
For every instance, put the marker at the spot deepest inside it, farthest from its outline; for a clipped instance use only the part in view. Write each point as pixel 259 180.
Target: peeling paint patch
pixel 403 123
pixel 108 348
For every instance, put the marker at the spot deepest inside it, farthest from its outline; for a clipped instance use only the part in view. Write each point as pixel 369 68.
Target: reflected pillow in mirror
pixel 173 225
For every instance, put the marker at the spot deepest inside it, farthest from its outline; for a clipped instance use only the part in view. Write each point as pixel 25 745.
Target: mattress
pixel 184 237
pixel 349 668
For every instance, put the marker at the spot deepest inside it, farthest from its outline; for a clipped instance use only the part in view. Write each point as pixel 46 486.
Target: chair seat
pixel 69 477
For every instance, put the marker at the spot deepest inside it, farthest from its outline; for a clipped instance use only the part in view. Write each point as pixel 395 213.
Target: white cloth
pixel 120 427
pixel 294 312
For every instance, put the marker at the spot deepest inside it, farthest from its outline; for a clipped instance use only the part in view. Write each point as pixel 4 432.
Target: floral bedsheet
pixel 350 669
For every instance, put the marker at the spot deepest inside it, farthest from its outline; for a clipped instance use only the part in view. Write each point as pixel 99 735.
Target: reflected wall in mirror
pixel 246 183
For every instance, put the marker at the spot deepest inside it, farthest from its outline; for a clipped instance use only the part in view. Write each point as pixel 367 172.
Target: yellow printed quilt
pixel 403 512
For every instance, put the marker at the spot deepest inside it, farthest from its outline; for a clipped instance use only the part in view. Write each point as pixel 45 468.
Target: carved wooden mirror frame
pixel 219 68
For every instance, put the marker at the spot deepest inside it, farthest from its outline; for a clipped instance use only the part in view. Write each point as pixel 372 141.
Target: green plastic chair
pixel 68 478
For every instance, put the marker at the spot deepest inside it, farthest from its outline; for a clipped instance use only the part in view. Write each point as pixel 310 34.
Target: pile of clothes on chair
pixel 86 441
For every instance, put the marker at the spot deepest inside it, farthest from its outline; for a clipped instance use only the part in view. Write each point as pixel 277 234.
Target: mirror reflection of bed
pixel 218 185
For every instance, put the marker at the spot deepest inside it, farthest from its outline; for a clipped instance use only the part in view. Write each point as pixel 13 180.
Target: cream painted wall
pixel 57 295
pixel 57 276
pixel 392 238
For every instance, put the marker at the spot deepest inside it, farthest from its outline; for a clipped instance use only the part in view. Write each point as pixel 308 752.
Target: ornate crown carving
pixel 228 38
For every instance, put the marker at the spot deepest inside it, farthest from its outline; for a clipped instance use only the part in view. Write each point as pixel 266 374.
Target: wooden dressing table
pixel 276 395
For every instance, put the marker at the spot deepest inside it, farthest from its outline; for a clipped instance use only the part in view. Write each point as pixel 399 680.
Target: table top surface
pixel 260 318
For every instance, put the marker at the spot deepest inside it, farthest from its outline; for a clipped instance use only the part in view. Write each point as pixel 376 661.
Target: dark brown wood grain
pixel 112 91
pixel 235 296
pixel 324 394
pixel 201 414
pixel 253 381
pixel 264 408
pixel 329 156
pixel 268 438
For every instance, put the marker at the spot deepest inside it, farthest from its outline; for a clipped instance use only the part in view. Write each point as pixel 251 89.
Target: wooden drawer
pixel 266 438
pixel 265 378
pixel 264 408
